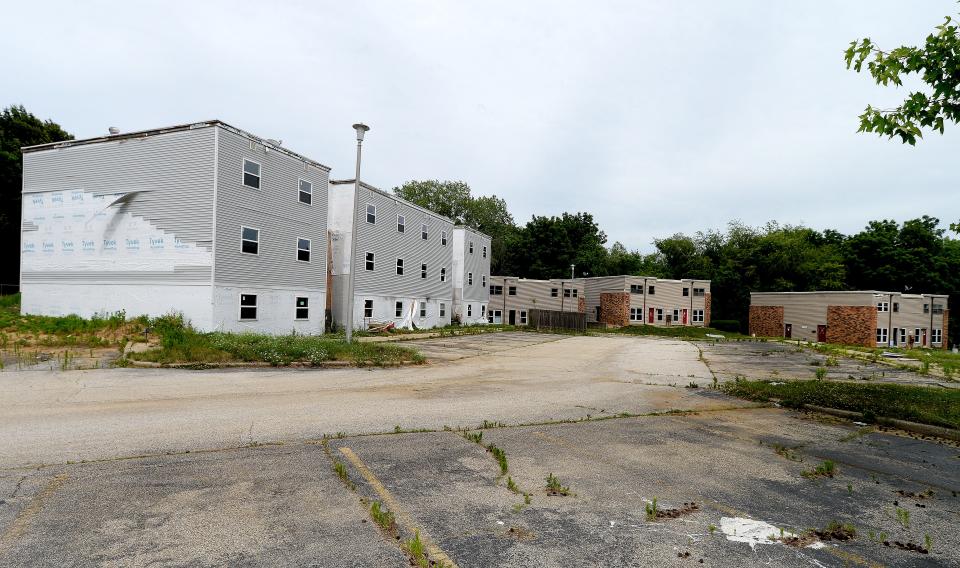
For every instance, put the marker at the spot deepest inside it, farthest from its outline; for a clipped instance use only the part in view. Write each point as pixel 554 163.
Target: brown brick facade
pixel 582 305
pixel 615 308
pixel 946 327
pixel 852 325
pixel 766 321
pixel 706 309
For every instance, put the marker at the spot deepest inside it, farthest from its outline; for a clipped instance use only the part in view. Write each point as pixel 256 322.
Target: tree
pixel 547 246
pixel 447 198
pixel 18 128
pixel 937 64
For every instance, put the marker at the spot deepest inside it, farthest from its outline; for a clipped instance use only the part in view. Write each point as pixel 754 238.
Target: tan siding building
pixel 511 297
pixel 869 318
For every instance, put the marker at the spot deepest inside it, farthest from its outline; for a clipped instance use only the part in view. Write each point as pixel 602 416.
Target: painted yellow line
pixel 23 519
pixel 403 519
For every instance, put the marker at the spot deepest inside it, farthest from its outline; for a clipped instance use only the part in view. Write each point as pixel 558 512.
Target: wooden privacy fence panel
pixel 551 319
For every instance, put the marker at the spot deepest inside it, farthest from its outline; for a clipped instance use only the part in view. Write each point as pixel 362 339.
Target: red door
pixel 684 316
pixel 923 335
pixel 650 317
pixel 822 333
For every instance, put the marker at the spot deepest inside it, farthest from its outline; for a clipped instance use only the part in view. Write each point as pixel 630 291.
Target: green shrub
pixel 726 325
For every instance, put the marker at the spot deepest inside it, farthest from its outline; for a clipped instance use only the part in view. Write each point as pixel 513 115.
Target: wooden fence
pixel 551 319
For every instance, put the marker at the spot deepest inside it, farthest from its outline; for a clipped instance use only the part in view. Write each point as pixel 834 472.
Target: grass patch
pixel 180 343
pixel 72 330
pixel 554 487
pixel 682 331
pixel 385 519
pixel 825 469
pixel 928 405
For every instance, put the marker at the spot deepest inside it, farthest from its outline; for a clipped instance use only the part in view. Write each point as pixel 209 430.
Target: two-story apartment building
pixel 638 300
pixel 511 298
pixel 204 219
pixel 471 275
pixel 869 318
pixel 404 258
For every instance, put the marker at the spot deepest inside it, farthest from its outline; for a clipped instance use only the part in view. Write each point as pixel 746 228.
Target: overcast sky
pixel 656 117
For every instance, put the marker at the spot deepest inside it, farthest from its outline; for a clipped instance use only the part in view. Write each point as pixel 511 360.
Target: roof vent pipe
pixel 113 130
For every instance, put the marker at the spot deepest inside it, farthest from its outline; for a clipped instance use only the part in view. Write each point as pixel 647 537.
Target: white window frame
pixel 443 238
pixel 576 291
pixel 567 293
pixel 297 308
pixel 484 251
pixel 697 316
pixel 651 290
pixel 483 280
pixel 883 307
pixel 424 232
pixel 398 309
pixel 368 306
pixel 242 240
pixel 443 309
pixel 554 292
pixel 374 222
pixel 903 336
pixel 309 250
pixel 401 223
pixel 495 316
pixel 471 247
pixel 244 172
pixel 676 315
pixel 300 192
pixel 699 292
pixel 369 258
pixel 483 311
pixel 883 336
pixel 636 314
pixel 443 273
pixel 659 314
pixel 523 317
pixel 469 278
pixel 917 338
pixel 469 310
pixel 255 306
pixel 399 267
pixel 511 291
pixel 423 270
pixel 423 310
pixel 936 337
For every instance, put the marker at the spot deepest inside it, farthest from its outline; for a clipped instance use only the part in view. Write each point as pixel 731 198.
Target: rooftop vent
pixel 113 130
pixel 275 142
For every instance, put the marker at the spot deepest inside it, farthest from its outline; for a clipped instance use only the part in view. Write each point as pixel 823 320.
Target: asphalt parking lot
pixel 135 468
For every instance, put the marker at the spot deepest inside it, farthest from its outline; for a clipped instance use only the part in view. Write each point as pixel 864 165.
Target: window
pixel 938 310
pixel 697 316
pixel 699 292
pixel 574 292
pixel 249 240
pixel 423 231
pixel 469 310
pixel 483 280
pixel 554 292
pixel 567 292
pixel 903 336
pixel 423 271
pixel 248 306
pixel 686 292
pixel 936 336
pixel 882 335
pixel 484 251
pixel 883 307
pixel 443 238
pixel 303 250
pixel 401 223
pixel 636 314
pixel 369 261
pixel 469 278
pixel 916 335
pixel 443 274
pixel 251 174
pixel 676 315
pixel 523 317
pixel 495 316
pixel 896 307
pixel 651 290
pixel 443 309
pixel 398 309
pixel 306 192
pixel 368 308
pixel 399 267
pixel 659 314
pixel 303 309
pixel 926 308
pixel 423 309
pixel 511 290
pixel 371 213
pixel 483 311
pixel 636 289
pixel 471 247
pixel 496 290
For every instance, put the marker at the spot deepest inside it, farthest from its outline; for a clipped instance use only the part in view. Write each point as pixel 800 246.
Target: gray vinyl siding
pixel 476 264
pixel 275 210
pixel 388 244
pixel 172 172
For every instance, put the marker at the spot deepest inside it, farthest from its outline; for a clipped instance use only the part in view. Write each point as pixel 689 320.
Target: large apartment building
pixel 867 317
pixel 204 219
pixel 638 300
pixel 231 230
pixel 511 298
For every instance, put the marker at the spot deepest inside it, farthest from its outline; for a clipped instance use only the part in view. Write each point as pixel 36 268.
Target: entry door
pixel 598 313
pixel 513 317
pixel 923 337
pixel 650 317
pixel 788 330
pixel 684 316
pixel 822 333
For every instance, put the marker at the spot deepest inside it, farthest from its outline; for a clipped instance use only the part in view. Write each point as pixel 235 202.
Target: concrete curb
pixel 262 365
pixel 915 427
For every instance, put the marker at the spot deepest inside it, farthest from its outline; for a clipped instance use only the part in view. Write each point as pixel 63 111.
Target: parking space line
pixel 23 519
pixel 403 519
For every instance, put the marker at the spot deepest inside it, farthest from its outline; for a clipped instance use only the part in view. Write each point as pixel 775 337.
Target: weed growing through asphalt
pixel 385 519
pixel 554 487
pixel 785 452
pixel 341 470
pixel 824 469
pixel 651 510
pixel 511 485
pixel 500 456
pixel 711 528
pixel 475 437
pixel 927 541
pixel 693 385
pixel 903 517
pixel 821 373
pixel 831 362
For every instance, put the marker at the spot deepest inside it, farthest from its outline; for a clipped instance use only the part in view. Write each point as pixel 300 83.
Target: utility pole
pixel 361 128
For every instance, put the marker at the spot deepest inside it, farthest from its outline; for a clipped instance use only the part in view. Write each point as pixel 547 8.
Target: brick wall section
pixel 582 305
pixel 615 308
pixel 852 325
pixel 766 321
pixel 706 309
pixel 946 327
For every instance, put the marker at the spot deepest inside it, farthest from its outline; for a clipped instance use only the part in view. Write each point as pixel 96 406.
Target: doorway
pixel 512 317
pixel 788 330
pixel 822 333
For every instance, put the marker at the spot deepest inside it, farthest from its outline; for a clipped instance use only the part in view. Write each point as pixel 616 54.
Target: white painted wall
pixel 384 310
pixel 87 300
pixel 276 311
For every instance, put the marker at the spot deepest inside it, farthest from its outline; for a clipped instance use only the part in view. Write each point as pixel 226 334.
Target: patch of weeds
pixel 341 470
pixel 821 373
pixel 825 469
pixel 554 487
pixel 857 433
pixel 385 519
pixel 511 485
pixel 475 437
pixel 654 512
pixel 903 517
pixel 788 453
pixel 831 362
pixel 488 424
pixel 651 510
pixel 927 541
pixel 712 528
pixel 692 385
pixel 500 456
